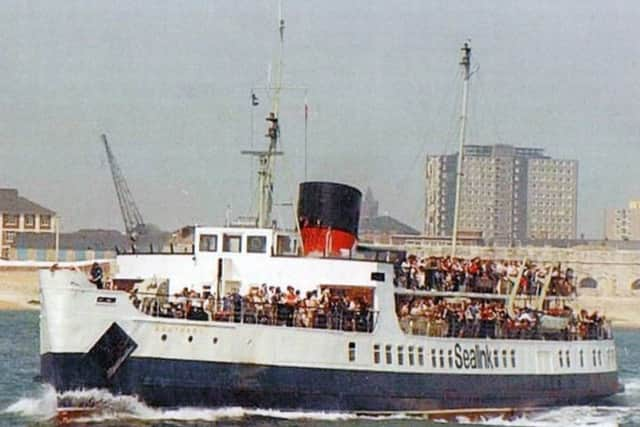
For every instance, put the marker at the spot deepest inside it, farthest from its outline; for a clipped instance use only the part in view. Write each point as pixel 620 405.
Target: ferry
pixel 182 328
pixel 106 338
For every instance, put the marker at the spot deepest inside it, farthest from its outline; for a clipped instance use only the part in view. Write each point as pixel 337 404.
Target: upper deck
pixel 234 258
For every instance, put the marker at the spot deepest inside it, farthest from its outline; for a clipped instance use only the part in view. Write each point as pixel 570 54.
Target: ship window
pixel 163 337
pixel 441 358
pixel 581 359
pixel 388 355
pixel 450 357
pixel 208 243
pixel 285 245
pixel 504 358
pixel 513 358
pixel 352 351
pixel 412 359
pixel 568 359
pixel 420 356
pixel 496 358
pixel 257 244
pixel 376 353
pixel 560 358
pixel 231 243
pixel 433 358
pixel 400 355
pixel 599 358
pixel 594 358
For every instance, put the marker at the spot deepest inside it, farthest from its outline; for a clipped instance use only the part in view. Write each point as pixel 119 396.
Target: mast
pixel 465 62
pixel 266 158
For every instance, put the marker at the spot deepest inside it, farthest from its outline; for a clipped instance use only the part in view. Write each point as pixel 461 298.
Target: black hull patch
pixel 172 383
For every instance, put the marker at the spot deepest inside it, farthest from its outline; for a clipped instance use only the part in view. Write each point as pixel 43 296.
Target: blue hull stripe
pixel 166 382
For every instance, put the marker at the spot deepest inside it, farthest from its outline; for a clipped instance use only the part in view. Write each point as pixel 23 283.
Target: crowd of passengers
pixel 268 305
pixel 435 316
pixel 479 275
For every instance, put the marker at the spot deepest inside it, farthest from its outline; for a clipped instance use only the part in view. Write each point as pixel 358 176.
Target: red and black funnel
pixel 328 214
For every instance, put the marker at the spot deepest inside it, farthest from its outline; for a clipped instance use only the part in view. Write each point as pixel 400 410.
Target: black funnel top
pixel 329 204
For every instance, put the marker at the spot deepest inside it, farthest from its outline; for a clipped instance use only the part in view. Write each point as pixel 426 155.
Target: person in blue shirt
pixel 96 275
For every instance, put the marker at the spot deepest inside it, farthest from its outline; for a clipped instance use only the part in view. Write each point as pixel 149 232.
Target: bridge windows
pixel 412 359
pixel 376 353
pixel 256 244
pixel 420 356
pixel 231 243
pixel 400 355
pixel 208 243
pixel 388 354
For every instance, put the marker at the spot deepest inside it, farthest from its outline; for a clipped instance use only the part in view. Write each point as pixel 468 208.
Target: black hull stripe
pixel 166 382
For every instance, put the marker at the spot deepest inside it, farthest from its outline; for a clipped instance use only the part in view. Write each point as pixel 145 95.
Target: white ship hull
pixel 96 338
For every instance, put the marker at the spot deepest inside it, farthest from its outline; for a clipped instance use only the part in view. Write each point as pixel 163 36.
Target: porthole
pixel 190 339
pixel 215 340
pixel 163 337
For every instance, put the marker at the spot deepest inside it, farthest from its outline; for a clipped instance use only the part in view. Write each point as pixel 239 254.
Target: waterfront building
pixel 380 229
pixel 19 215
pixel 623 224
pixel 510 194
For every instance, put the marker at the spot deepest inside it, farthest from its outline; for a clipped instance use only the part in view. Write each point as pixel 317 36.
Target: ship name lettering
pixel 473 358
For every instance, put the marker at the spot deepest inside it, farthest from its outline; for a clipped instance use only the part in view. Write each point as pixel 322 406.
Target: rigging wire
pixel 437 119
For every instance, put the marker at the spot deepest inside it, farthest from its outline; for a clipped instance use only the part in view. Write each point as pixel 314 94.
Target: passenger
pixel 290 303
pixel 96 275
pixel 311 308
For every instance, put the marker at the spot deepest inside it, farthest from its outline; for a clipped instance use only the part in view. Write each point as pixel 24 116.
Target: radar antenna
pixel 133 222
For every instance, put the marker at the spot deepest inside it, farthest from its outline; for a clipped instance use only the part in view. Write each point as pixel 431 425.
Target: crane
pixel 133 222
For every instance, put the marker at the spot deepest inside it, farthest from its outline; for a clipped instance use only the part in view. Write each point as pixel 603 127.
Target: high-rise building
pixel 510 194
pixel 623 224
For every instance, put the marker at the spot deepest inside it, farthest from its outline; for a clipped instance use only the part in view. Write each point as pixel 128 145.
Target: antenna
pixel 465 62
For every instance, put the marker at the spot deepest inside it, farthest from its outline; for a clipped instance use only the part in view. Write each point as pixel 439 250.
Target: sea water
pixel 25 402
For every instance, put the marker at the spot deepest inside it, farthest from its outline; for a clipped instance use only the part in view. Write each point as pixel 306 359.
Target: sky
pixel 169 83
